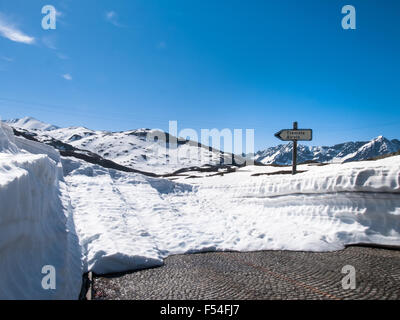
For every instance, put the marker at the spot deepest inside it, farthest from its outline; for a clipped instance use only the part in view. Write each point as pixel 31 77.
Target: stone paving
pixel 260 275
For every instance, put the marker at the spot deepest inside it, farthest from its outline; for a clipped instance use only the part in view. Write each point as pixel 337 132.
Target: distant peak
pixel 380 139
pixel 30 123
pixel 27 119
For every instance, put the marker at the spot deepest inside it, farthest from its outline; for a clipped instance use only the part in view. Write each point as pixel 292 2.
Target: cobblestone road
pixel 260 275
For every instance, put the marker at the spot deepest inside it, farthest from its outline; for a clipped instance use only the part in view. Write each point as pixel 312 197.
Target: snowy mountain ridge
pixel 132 148
pixel 344 152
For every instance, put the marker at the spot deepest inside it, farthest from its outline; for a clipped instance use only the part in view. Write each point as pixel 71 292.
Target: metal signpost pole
pixel 294 157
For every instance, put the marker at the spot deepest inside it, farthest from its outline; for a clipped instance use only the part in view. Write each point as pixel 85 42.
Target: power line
pixel 63 110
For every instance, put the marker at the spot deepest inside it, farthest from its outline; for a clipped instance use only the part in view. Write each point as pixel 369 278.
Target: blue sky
pixel 119 65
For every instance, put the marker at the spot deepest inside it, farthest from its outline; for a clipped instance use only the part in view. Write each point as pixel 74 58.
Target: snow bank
pixel 36 227
pixel 323 209
pixel 128 221
pixel 365 176
pixel 37 148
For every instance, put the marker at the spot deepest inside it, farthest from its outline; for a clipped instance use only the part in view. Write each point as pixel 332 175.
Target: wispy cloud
pixel 9 31
pixel 61 17
pixel 62 56
pixel 4 62
pixel 49 42
pixel 67 76
pixel 112 17
pixel 8 59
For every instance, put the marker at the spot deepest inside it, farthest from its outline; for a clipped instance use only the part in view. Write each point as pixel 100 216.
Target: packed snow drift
pixel 36 226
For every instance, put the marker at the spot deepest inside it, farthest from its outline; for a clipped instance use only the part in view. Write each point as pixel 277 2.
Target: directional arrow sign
pixel 294 134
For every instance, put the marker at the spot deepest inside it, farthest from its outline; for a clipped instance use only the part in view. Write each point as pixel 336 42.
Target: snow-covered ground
pixel 126 221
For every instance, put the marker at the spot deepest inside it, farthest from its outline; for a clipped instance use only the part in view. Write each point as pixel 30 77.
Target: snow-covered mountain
pixel 29 123
pixel 344 152
pixel 142 149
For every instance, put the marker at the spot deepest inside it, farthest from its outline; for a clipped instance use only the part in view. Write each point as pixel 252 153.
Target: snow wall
pixel 38 243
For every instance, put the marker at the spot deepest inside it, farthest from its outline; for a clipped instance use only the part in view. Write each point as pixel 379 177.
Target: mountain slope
pixel 376 147
pixel 142 149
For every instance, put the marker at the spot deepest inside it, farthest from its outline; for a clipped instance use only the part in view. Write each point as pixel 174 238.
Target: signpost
pixel 294 135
